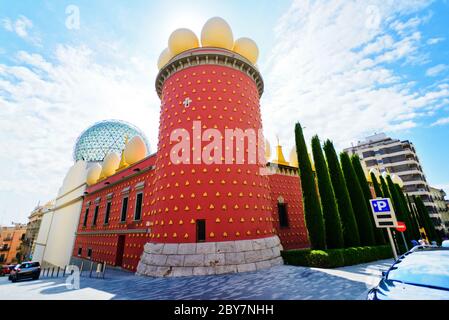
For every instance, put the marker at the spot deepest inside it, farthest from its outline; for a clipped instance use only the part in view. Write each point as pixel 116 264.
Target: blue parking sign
pixel 380 205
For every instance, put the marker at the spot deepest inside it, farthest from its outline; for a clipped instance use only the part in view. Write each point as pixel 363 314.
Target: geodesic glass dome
pixel 105 137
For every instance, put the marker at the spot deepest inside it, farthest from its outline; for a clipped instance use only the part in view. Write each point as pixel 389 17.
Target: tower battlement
pixel 209 56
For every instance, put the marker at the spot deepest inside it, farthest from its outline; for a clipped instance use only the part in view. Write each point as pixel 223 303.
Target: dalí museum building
pixel 206 202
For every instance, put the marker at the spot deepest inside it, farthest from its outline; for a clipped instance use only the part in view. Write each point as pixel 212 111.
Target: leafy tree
pixel 358 201
pixel 378 233
pixel 312 209
pixel 350 230
pixel 332 223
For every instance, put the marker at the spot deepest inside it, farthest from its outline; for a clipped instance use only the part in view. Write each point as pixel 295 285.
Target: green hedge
pixel 334 258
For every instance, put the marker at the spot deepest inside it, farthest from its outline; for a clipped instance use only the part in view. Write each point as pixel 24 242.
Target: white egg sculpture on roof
pixel 93 174
pixel 164 58
pixel 396 179
pixel 135 150
pixel 182 40
pixel 247 48
pixel 110 164
pixel 293 159
pixel 216 32
pixel 375 171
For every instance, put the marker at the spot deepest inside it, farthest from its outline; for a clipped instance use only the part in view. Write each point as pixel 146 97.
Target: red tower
pixel 211 206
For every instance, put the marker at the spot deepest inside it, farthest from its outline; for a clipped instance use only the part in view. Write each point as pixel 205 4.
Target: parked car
pixel 26 270
pixel 420 274
pixel 6 269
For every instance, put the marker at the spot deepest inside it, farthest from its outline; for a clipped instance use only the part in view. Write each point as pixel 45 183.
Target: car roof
pixel 422 255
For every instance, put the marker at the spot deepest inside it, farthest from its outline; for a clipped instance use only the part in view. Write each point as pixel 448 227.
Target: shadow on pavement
pixel 283 282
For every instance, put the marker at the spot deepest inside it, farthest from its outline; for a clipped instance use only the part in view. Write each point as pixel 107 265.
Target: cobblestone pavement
pixel 281 282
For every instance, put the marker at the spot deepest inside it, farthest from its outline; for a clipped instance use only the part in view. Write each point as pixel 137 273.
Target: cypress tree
pixel 384 187
pixel 378 233
pixel 414 214
pixel 312 209
pixel 376 186
pixel 414 231
pixel 332 223
pixel 358 201
pixel 425 218
pixel 398 207
pixel 349 225
pixel 379 194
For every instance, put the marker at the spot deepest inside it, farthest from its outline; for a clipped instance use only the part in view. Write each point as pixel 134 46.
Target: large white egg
pixel 164 58
pixel 110 164
pixel 247 48
pixel 182 40
pixel 396 179
pixel 93 174
pixel 135 150
pixel 217 33
pixel 293 158
pixel 375 171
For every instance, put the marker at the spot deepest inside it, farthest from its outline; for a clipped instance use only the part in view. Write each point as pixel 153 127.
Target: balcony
pixel 400 163
pixel 415 183
pixel 398 153
pixel 410 171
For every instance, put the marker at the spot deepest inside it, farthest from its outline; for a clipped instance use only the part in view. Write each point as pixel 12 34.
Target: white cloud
pixel 436 70
pixel 22 27
pixel 336 75
pixel 45 104
pixel 441 122
pixel 433 41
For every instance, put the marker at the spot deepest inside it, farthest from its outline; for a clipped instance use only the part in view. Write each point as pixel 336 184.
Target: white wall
pixel 41 241
pixel 62 233
pixel 59 227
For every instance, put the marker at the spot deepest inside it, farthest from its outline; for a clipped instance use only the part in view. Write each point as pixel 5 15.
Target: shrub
pixel 334 258
pixel 296 257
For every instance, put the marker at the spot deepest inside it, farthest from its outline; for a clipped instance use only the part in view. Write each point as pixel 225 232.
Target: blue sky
pixel 344 69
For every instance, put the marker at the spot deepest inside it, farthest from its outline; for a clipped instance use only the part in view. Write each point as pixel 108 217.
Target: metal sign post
pixel 402 227
pixel 393 247
pixel 385 217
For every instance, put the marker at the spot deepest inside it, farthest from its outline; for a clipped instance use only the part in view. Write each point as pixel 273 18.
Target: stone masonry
pixel 189 259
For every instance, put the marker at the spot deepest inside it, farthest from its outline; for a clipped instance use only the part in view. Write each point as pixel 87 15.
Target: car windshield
pixel 426 268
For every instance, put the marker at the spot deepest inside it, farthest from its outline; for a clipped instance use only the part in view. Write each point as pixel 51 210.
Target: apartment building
pixel 400 158
pixel 10 243
pixel 438 196
pixel 33 226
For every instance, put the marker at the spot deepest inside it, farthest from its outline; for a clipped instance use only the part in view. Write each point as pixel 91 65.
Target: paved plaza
pixel 280 282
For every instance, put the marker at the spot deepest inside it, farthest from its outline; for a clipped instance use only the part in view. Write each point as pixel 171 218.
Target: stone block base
pixel 195 259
